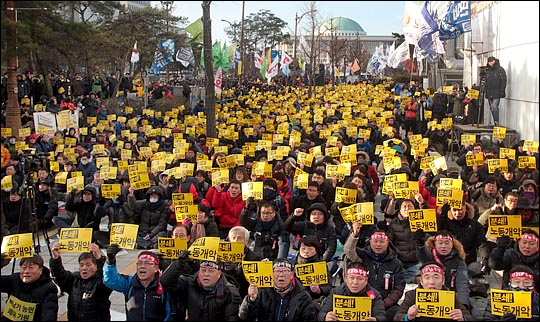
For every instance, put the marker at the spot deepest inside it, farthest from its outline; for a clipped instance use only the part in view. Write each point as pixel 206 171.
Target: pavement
pixel 126 259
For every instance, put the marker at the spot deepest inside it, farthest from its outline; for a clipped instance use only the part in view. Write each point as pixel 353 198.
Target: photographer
pixel 46 202
pixel 18 214
pixel 88 211
pixel 495 86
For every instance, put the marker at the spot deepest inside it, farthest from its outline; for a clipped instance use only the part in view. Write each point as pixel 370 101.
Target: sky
pixel 378 18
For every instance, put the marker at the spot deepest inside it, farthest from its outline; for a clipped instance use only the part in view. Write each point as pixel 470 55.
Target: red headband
pixel 530 237
pixel 378 235
pixel 432 269
pixel 149 257
pixel 357 271
pixel 443 237
pixel 521 274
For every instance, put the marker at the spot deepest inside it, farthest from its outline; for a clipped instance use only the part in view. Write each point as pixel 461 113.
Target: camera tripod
pixel 482 98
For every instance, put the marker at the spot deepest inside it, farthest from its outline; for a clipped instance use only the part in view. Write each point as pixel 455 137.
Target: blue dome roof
pixel 342 24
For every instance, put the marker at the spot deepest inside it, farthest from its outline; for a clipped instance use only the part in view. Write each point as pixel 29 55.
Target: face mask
pixel 531 195
pixel 521 288
pixel 268 193
pixel 154 200
pixel 12 141
pixel 84 162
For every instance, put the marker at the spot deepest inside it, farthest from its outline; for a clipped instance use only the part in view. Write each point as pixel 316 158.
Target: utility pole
pixel 241 62
pixel 210 100
pixel 13 114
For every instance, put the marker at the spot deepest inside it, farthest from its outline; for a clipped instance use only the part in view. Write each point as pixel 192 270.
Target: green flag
pixel 266 61
pixel 196 31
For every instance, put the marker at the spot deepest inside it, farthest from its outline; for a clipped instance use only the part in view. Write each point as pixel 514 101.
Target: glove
pixel 112 250
pixel 183 255
pixel 504 242
pixel 508 317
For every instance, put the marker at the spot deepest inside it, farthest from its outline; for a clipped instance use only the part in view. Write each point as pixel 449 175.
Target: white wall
pixel 509 31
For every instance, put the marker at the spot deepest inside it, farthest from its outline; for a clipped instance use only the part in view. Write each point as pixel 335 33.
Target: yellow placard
pixel 102 161
pixel 205 165
pixel 305 159
pixel 76 174
pixel 227 162
pixel 110 191
pixel 473 93
pixel 362 212
pixel 252 189
pixel 302 180
pixel 338 170
pixel 171 247
pixel 182 199
pixel 312 273
pixel 474 159
pixel 17 310
pixel 438 164
pixel 450 183
pixel 468 139
pixel 70 141
pixel 351 308
pixel 499 132
pixel 505 153
pixel 391 162
pixel 6 132
pixel 494 164
pixel 259 273
pixel 389 180
pixel 428 114
pixel 139 180
pixel 186 211
pixel 517 303
pixel 221 176
pixel 332 151
pixel 425 219
pixel 345 195
pixel 454 198
pixel 75 239
pixel 526 162
pixel 124 235
pixel 7 183
pixel 435 303
pixel 204 248
pixel 77 183
pixel 530 145
pixel 18 245
pixel 231 252
pixel 60 177
pixel 504 225
pixel 406 189
pixel 55 166
pixel 25 131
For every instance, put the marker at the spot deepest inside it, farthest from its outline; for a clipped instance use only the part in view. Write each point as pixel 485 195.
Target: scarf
pixel 197 231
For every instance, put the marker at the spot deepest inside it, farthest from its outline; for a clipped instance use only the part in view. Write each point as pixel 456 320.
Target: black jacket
pixel 495 81
pixel 410 299
pixel 88 299
pixel 43 292
pixel 325 233
pixel 300 306
pixel 265 234
pixel 505 259
pixel 380 270
pixel 197 304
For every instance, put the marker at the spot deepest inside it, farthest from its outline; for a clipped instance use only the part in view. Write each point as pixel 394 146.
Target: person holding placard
pixel 146 299
pixel 206 295
pixel 317 224
pixel 31 290
pixel 521 280
pixel 286 301
pixel 431 278
pixel 266 228
pixel 356 285
pixel 227 206
pixel 447 251
pixel 385 269
pixel 525 252
pixel 152 215
pixel 88 296
pixel 84 204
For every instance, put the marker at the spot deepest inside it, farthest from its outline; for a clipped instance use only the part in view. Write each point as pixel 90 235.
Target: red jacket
pixel 226 208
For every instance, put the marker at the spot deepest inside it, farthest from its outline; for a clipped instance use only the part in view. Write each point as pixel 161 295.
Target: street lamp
pixel 297 19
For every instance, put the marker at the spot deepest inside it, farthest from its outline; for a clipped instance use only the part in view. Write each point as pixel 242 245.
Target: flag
pixel 301 64
pixel 134 54
pixel 285 70
pixel 285 59
pixel 163 55
pixel 266 61
pixel 185 56
pixel 218 79
pixel 428 33
pixel 411 18
pixel 195 29
pixel 418 55
pixel 399 55
pixel 457 20
pixel 355 66
pixel 273 68
pixel 257 60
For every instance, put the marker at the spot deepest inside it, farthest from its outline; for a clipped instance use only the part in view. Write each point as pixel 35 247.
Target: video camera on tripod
pixel 32 161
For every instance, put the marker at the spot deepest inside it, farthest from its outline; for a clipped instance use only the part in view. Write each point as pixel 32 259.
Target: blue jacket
pixel 142 304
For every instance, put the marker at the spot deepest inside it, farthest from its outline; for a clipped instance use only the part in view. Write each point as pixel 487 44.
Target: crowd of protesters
pixel 292 134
